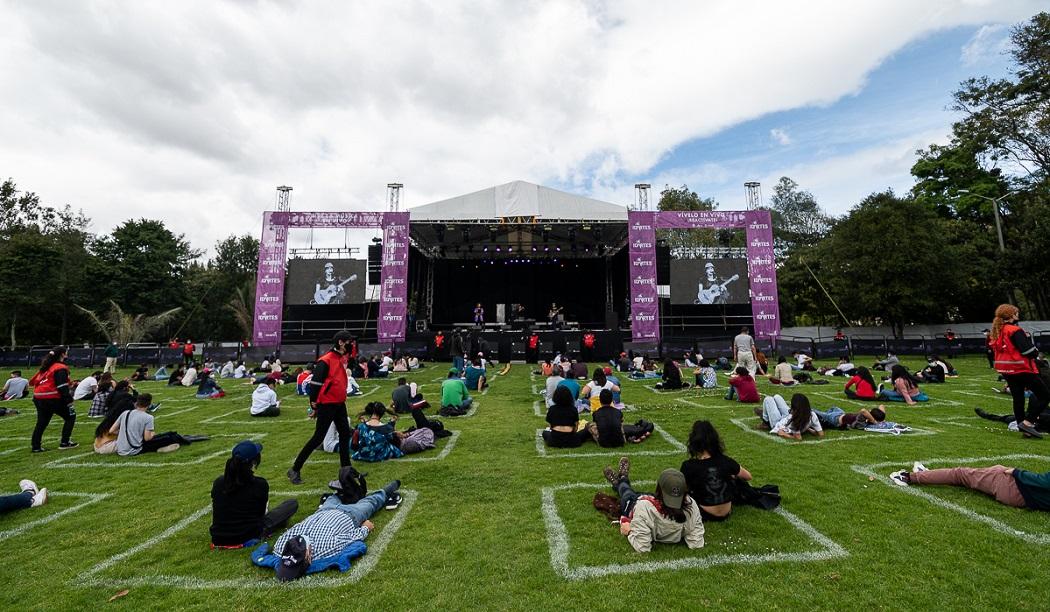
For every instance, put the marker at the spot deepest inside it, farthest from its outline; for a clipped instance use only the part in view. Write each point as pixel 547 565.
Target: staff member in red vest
pixel 187 352
pixel 588 346
pixel 328 403
pixel 51 396
pixel 1015 360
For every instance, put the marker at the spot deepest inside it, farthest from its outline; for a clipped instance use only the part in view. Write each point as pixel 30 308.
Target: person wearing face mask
pixel 1015 360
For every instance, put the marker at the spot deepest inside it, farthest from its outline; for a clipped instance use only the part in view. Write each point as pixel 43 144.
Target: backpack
pixel 350 487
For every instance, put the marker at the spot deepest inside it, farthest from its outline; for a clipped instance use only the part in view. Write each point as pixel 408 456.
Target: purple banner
pixel 269 283
pixel 645 308
pixel 762 270
pixel 701 219
pixel 330 219
pixel 393 296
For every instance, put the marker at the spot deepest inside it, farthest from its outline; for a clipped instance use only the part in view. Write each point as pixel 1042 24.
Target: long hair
pixel 238 474
pixel 112 414
pixel 53 356
pixel 899 371
pixel 121 386
pixel 865 375
pixel 1003 315
pixel 677 514
pixel 704 438
pixel 599 377
pixel 801 412
pixel 563 397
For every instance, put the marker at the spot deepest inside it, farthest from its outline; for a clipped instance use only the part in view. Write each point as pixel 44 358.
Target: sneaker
pixel 67 445
pixel 1028 429
pixel 900 478
pixel 293 476
pixel 40 498
pixel 918 467
pixel 611 476
pixel 168 449
pixel 393 501
pixel 40 450
pixel 625 465
pixel 153 408
pixel 27 485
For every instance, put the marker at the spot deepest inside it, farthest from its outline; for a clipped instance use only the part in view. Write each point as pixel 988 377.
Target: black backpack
pixel 351 486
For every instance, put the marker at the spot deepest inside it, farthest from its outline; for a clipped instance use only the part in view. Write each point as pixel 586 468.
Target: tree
pixel 122 328
pixel 221 287
pixel 683 198
pixel 797 218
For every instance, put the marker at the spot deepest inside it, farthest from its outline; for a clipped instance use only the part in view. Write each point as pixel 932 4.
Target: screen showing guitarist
pixel 716 291
pixel 330 287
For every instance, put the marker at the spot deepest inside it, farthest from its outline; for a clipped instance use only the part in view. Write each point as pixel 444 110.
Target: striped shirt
pixel 329 531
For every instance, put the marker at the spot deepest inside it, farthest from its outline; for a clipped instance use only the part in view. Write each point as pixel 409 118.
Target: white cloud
pixel 780 136
pixel 987 45
pixel 193 112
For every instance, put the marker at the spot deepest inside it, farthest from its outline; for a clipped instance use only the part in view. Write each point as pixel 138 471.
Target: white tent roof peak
pixel 519 199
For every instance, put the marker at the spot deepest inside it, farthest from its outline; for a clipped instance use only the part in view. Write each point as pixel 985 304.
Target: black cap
pixel 293 564
pixel 342 335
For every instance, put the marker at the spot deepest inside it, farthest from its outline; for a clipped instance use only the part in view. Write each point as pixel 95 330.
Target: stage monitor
pixel 709 281
pixel 325 281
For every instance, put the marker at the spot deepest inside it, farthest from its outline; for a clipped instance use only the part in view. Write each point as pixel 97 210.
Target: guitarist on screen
pixel 329 288
pixel 716 292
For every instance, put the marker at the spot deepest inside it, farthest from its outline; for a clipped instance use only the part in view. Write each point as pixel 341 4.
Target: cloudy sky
pixel 192 112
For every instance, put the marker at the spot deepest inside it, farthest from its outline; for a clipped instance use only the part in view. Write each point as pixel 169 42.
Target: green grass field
pixel 494 524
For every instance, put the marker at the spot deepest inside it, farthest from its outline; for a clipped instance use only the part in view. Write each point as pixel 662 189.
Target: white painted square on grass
pixel 850 435
pixel 360 567
pixel 880 471
pixel 558 541
pixel 87 500
pixel 138 461
pixel 626 449
pixel 414 458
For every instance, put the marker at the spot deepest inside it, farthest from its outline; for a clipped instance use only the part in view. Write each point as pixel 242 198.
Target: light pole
pixel 995 210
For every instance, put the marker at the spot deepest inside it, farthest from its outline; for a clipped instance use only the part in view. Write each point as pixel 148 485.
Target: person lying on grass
pixel 240 501
pixel 1041 422
pixel 791 422
pixel 843 368
pixel 837 418
pixel 710 474
pixel 1009 486
pixel 607 426
pixel 905 387
pixel 375 440
pixel 887 363
pixel 330 530
pixel 30 497
pixel 861 386
pixel 668 516
pixel 742 386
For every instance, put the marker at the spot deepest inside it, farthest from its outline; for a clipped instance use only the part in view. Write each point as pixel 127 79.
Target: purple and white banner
pixel 393 296
pixel 645 309
pixel 765 303
pixel 273 254
pixel 269 283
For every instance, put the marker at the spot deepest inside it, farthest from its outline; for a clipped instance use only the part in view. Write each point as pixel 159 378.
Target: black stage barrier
pixel 14 359
pixel 82 357
pixel 517 350
pixel 139 355
pixel 255 355
pixel 222 354
pixel 906 346
pixel 414 348
pixel 675 348
pixel 787 346
pixel 170 355
pixel 36 354
pixel 714 349
pixel 944 347
pixel 974 345
pixel 645 349
pixel 868 346
pixel 1042 342
pixel 830 348
pixel 298 353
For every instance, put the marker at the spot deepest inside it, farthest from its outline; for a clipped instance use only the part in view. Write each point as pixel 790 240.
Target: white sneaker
pixel 168 449
pixel 28 485
pixel 40 498
pixel 918 467
pixel 898 478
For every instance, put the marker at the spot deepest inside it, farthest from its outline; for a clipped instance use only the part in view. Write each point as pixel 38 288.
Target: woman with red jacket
pixel 51 396
pixel 865 385
pixel 1015 360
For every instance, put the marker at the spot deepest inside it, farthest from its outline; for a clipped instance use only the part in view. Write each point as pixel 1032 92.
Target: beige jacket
pixel 648 526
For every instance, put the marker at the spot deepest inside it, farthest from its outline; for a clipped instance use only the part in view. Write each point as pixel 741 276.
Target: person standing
pixel 187 352
pixel 439 345
pixel 51 396
pixel 744 352
pixel 1015 360
pixel 328 403
pixel 459 349
pixel 479 315
pixel 112 352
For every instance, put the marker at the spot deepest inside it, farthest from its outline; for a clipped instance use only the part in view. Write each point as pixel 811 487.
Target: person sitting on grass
pixel 563 418
pixel 786 422
pixel 141 374
pixel 934 372
pixel 241 371
pixel 87 388
pixel 264 400
pixel 905 387
pixel 782 373
pixel 240 500
pixel 30 497
pixel 135 435
pixel 553 381
pixel 379 441
pixel 105 439
pixel 861 386
pixel 189 377
pixel 837 418
pixel 227 369
pixel 710 474
pixel 742 386
pixel 302 381
pixel 592 390
pixel 177 374
pixel 667 516
pixel 803 362
pixel 455 400
pixel 15 388
pixel 607 426
pixel 207 388
pixel 99 404
pixel 406 397
pixel 475 375
pixel 329 531
pixel 887 363
pixel 706 378
pixel 843 368
pixel 672 377
pixel 1009 486
pixel 162 373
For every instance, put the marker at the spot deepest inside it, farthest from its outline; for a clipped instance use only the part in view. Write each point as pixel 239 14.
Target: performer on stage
pixel 479 315
pixel 554 315
pixel 328 388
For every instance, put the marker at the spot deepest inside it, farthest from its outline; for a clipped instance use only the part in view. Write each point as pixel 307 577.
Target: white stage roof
pixel 519 199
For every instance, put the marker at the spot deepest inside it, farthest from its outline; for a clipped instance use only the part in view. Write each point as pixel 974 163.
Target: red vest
pixel 334 389
pixel 1008 360
pixel 439 341
pixel 44 382
pixel 588 340
pixel 188 349
pixel 534 341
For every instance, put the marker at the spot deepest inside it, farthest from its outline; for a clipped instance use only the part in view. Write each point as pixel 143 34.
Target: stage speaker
pixel 375 263
pixel 663 264
pixel 612 321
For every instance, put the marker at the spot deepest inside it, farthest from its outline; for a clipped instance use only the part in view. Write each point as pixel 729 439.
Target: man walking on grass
pixel 328 404
pixel 744 352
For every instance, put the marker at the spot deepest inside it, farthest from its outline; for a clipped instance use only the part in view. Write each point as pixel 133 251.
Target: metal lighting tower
pixel 284 204
pixel 641 191
pixel 393 196
pixel 754 194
